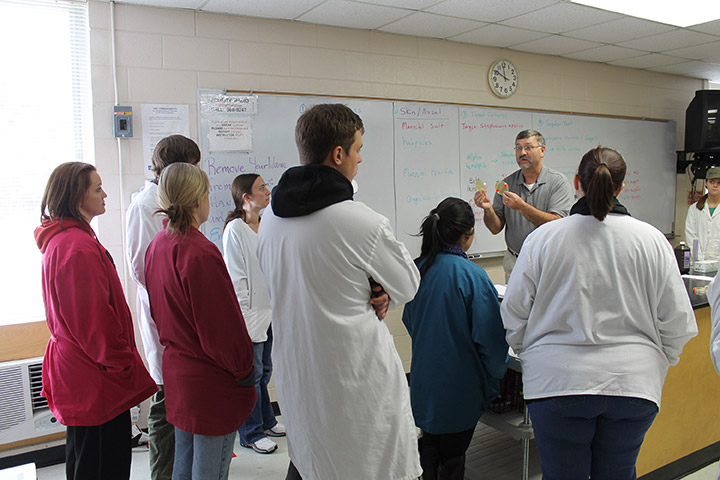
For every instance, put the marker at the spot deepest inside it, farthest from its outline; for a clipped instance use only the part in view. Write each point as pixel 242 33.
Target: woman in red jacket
pixel 208 358
pixel 92 373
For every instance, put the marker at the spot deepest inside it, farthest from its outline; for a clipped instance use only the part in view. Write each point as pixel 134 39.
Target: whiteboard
pixel 426 169
pixel 274 151
pixel 416 154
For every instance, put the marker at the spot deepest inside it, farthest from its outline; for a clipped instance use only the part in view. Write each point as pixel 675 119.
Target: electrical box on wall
pixel 123 122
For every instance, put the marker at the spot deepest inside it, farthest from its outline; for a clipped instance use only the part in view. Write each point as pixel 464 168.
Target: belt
pixel 513 253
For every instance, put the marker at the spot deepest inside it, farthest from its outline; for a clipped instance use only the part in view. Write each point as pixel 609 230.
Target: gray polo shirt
pixel 552 193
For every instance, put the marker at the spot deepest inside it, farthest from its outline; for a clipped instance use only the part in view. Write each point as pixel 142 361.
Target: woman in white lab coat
pixel 703 218
pixel 251 195
pixel 597 312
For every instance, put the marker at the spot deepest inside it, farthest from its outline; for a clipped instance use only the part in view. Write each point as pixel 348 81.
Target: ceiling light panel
pixel 680 13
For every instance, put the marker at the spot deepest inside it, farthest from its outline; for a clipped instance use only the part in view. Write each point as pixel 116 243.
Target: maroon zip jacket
pixel 207 347
pixel 92 371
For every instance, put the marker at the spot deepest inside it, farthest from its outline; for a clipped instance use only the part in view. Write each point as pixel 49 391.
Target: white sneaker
pixel 277 431
pixel 264 445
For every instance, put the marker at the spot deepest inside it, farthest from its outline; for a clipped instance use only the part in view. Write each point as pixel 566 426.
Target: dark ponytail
pixel 601 173
pixel 701 203
pixel 240 186
pixel 444 227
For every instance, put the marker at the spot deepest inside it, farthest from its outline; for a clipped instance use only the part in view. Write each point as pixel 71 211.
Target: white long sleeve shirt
pixel 713 295
pixel 597 308
pixel 142 226
pixel 239 252
pixel 703 226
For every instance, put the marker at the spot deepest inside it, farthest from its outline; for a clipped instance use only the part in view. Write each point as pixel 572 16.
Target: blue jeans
pixel 262 417
pixel 202 457
pixel 583 436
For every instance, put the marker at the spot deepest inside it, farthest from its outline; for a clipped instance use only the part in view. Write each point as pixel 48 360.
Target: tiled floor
pixel 492 455
pixel 708 473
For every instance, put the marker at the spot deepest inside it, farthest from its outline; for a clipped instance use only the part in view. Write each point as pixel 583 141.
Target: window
pixel 45 120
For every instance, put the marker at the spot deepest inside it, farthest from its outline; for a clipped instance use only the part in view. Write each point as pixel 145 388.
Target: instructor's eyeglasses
pixel 529 148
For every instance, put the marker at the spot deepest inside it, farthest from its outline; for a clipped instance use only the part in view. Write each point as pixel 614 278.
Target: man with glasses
pixel 535 195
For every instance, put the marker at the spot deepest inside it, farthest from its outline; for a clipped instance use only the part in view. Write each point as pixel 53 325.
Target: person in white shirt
pixel 713 295
pixel 251 195
pixel 597 311
pixel 339 379
pixel 701 223
pixel 141 227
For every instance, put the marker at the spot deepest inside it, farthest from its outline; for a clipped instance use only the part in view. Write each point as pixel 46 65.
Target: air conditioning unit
pixel 24 414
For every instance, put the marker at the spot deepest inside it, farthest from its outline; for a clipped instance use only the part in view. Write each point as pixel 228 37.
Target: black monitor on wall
pixel 702 124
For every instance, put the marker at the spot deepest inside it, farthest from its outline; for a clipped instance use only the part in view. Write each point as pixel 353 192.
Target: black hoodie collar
pixel 582 207
pixel 309 188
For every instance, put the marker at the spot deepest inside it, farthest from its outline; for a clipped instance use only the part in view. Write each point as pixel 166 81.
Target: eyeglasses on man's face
pixel 529 148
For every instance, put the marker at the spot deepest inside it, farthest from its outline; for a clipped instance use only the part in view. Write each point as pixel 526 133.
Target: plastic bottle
pixel 682 254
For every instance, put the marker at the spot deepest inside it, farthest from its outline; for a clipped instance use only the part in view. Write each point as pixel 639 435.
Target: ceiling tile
pixel 698 52
pixel 604 54
pixel 555 45
pixel 495 35
pixel 561 17
pixel 712 28
pixel 436 26
pixel 712 72
pixel 191 4
pixel 488 10
pixel 281 9
pixel 677 38
pixel 343 13
pixel 409 4
pixel 620 30
pixel 648 61
pixel 682 68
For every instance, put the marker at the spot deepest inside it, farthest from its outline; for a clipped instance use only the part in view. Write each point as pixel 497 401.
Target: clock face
pixel 503 78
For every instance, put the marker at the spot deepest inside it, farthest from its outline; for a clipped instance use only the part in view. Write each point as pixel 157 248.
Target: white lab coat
pixel 142 226
pixel 239 253
pixel 597 308
pixel 699 224
pixel 340 382
pixel 713 295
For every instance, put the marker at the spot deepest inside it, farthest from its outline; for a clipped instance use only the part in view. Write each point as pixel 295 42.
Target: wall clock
pixel 503 78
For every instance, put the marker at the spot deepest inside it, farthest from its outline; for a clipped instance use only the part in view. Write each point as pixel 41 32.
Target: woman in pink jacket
pixel 92 372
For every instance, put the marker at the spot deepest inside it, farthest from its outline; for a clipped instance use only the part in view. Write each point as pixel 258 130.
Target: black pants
pixel 293 474
pixel 443 456
pixel 99 452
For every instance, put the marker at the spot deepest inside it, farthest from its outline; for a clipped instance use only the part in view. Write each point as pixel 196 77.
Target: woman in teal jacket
pixel 459 351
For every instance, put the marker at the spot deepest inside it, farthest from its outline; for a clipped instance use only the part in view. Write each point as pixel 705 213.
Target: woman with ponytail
pixel 251 195
pixel 598 312
pixel 207 362
pixel 701 223
pixel 459 351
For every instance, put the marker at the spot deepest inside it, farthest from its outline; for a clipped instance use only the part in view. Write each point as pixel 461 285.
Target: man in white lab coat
pixel 142 226
pixel 340 383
